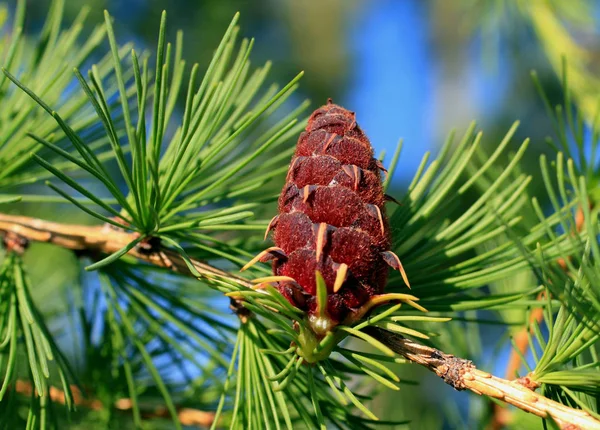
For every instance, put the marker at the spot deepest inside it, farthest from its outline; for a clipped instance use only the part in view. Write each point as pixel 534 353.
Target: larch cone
pixel 332 220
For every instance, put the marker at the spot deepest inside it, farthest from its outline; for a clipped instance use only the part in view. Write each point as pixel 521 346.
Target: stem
pixel 457 372
pixel 463 375
pixel 105 240
pixel 187 416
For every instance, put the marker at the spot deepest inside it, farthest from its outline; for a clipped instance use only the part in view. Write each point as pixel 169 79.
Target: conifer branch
pixel 457 372
pixel 186 416
pixel 105 240
pixel 463 375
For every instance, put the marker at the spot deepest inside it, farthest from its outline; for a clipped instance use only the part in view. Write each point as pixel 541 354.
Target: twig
pixel 105 240
pixel 457 372
pixel 186 416
pixel 463 375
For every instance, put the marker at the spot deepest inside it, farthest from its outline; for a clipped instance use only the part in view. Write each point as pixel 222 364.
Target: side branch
pixel 107 240
pixel 186 416
pixel 104 240
pixel 457 372
pixel 463 375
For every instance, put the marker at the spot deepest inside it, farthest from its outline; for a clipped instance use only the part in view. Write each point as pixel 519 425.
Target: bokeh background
pixel 411 69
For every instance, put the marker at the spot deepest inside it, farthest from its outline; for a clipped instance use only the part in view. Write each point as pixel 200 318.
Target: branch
pixel 105 240
pixel 186 416
pixel 463 375
pixel 457 372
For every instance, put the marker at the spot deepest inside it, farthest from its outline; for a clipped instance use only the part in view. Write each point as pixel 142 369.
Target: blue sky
pixel 393 87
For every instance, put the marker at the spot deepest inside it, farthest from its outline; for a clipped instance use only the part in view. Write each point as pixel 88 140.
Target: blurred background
pixel 411 69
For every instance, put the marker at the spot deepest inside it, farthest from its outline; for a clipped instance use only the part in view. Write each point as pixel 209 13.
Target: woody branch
pixel 460 373
pixel 186 416
pixel 463 375
pixel 105 240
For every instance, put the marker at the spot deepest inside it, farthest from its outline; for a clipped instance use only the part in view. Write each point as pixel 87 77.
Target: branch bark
pixel 457 372
pixel 187 416
pixel 463 375
pixel 105 239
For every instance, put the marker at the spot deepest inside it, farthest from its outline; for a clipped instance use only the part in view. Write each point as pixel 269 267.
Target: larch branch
pixel 463 375
pixel 105 239
pixel 186 416
pixel 457 372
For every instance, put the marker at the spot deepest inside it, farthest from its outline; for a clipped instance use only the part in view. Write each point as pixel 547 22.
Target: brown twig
pixel 463 375
pixel 105 240
pixel 459 373
pixel 186 416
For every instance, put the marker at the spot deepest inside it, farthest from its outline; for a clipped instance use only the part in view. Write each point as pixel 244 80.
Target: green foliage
pixel 196 172
pixel 566 358
pixel 43 64
pixel 27 342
